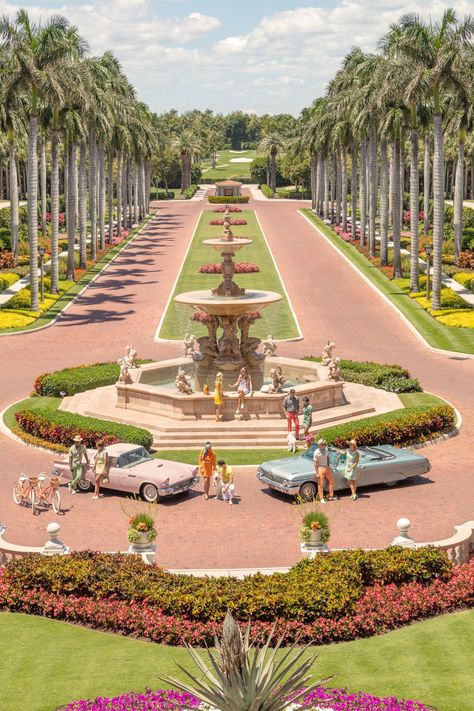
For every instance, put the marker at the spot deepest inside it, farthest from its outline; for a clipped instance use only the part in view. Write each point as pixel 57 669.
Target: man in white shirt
pixel 323 471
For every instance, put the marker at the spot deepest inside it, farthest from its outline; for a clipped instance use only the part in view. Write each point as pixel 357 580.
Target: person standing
pixel 100 467
pixel 225 482
pixel 207 466
pixel 218 395
pixel 323 471
pixel 351 468
pixel 291 406
pixel 307 419
pixel 77 453
pixel 244 388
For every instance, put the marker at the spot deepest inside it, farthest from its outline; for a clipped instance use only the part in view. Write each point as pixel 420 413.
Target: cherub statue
pixel 334 369
pixel 131 356
pixel 278 380
pixel 327 355
pixel 182 383
pixel 269 346
pixel 189 344
pixel 124 376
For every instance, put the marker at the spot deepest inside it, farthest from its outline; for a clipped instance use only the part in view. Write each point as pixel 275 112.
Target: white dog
pixel 291 439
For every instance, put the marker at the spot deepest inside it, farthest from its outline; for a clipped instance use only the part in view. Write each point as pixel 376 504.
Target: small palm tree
pixel 189 146
pixel 270 145
pixel 242 678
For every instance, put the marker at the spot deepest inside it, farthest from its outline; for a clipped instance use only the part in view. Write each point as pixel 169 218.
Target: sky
pixel 260 56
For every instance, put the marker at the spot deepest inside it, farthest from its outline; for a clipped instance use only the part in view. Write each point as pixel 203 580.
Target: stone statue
pixel 189 344
pixel 334 369
pixel 278 380
pixel 182 383
pixel 269 347
pixel 229 345
pixel 124 376
pixel 327 355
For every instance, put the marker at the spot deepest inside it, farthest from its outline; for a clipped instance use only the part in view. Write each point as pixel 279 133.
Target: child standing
pixel 225 482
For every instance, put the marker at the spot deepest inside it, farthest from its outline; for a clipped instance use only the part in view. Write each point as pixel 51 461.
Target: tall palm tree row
pixel 51 94
pixel 404 116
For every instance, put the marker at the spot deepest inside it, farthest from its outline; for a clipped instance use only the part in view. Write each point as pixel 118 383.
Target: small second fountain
pixel 233 310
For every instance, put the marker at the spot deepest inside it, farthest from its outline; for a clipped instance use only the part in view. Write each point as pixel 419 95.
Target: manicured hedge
pixel 78 379
pixel 393 378
pixel 6 280
pixel 328 586
pixel 399 427
pixel 189 192
pixel 60 427
pixel 223 199
pixel 267 191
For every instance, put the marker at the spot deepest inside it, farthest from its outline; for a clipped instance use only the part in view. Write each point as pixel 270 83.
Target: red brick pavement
pixel 331 301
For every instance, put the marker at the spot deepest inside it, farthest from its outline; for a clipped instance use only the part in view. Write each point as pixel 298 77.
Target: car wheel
pixel 308 491
pixel 391 483
pixel 84 485
pixel 149 493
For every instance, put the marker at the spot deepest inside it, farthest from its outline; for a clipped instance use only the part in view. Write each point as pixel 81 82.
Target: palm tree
pixel 435 51
pixel 35 52
pixel 189 146
pixel 270 145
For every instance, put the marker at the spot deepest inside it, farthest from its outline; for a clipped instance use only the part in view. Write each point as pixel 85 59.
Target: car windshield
pixel 131 459
pixel 334 456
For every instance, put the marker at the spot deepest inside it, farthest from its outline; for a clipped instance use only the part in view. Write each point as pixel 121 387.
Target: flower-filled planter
pixel 315 529
pixel 142 530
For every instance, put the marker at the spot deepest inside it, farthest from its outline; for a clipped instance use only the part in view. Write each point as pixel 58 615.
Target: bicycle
pixel 47 492
pixel 24 490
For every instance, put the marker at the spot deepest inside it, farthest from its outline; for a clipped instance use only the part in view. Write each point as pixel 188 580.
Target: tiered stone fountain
pixel 234 310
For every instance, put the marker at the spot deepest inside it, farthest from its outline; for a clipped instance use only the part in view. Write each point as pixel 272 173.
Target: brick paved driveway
pixel 331 301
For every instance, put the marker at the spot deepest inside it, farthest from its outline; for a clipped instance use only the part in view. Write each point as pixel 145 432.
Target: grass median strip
pixel 448 338
pixel 276 319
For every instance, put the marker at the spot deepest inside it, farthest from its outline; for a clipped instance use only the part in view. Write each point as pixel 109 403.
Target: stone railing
pixel 459 546
pixel 53 545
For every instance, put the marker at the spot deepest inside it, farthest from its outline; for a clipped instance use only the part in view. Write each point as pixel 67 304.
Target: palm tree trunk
pixel 102 194
pixel 314 181
pixel 320 185
pixel 458 199
pixel 354 193
pixel 13 194
pixel 383 203
pixel 332 191
pixel 372 188
pixel 326 189
pixel 273 171
pixel 363 189
pixel 43 180
pixel 402 179
pixel 147 186
pixel 472 181
pixel 82 205
pixel 414 209
pixel 110 192
pixel 54 271
pixel 338 185
pixel 129 193
pixel 396 224
pixel 438 209
pixel 344 188
pixel 93 190
pixel 119 194
pixel 66 179
pixel 136 210
pixel 426 185
pixel 183 172
pixel 71 201
pixel 33 209
pixel 124 192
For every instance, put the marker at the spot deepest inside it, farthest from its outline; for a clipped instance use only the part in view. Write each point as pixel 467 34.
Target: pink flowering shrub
pixel 239 268
pixel 230 208
pixel 231 222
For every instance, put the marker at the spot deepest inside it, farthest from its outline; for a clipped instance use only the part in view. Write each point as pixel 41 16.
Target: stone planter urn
pixel 143 541
pixel 315 538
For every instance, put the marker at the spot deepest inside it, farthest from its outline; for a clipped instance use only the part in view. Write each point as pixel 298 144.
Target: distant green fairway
pixel 276 319
pixel 225 168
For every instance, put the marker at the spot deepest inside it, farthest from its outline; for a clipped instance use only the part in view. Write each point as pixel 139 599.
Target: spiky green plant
pixel 243 678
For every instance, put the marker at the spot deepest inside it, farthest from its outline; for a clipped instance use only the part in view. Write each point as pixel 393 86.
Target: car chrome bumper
pixel 169 490
pixel 286 488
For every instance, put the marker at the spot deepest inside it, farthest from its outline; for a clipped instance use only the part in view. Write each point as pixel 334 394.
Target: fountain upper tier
pixel 216 305
pixel 228 246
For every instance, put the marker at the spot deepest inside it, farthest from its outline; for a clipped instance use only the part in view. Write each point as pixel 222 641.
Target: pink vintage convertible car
pixel 134 470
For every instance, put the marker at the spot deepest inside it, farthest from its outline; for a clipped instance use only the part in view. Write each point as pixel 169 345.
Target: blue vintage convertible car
pixel 381 464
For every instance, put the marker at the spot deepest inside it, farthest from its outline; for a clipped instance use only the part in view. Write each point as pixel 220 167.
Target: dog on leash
pixel 291 439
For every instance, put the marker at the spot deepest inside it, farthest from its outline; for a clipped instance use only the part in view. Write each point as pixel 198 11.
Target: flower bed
pixel 392 378
pixel 231 208
pixel 239 268
pixel 202 317
pixel 231 222
pixel 378 609
pixel 16 312
pixel 59 427
pixel 6 280
pixel 167 700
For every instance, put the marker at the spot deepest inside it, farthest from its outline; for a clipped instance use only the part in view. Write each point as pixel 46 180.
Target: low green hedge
pixel 267 191
pixel 400 427
pixel 392 378
pixel 329 585
pixel 466 279
pixel 7 279
pixel 189 192
pixel 59 427
pixel 229 199
pixel 78 379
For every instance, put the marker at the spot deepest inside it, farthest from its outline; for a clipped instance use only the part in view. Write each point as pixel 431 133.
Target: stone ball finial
pixel 53 529
pixel 403 524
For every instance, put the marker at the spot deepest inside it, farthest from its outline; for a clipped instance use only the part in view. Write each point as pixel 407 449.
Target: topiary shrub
pixel 393 378
pixel 223 199
pixel 78 379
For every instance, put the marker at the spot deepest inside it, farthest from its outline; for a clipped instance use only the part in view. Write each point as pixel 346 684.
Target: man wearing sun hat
pixel 77 453
pixel 323 471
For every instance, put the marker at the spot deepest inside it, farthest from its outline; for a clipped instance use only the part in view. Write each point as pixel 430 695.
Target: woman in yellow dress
pixel 218 395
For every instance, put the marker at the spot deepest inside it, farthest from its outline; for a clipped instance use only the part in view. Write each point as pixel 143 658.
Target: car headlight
pixel 166 483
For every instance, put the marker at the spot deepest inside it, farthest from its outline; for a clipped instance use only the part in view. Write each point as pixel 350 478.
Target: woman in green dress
pixel 307 420
pixel 351 467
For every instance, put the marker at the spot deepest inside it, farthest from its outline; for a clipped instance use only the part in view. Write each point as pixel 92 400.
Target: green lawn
pixel 415 399
pixel 30 403
pixel 47 663
pixel 276 319
pixel 235 457
pixel 225 168
pixel 460 340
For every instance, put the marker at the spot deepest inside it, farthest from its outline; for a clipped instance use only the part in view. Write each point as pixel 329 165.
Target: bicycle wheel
pixel 17 493
pixel 56 501
pixel 33 500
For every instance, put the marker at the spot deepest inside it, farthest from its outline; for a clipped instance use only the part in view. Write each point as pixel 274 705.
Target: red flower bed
pixel 230 208
pixel 239 268
pixel 7 260
pixel 35 424
pixel 379 609
pixel 407 216
pixel 231 222
pixel 61 218
pixel 466 259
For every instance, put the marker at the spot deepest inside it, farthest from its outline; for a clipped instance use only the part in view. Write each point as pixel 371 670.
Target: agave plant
pixel 242 678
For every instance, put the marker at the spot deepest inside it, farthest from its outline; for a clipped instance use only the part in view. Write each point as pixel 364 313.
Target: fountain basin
pixel 214 305
pixel 227 246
